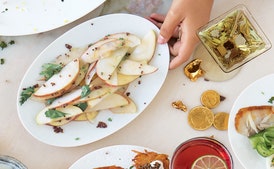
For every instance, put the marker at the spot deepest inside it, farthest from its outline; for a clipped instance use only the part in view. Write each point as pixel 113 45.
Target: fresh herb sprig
pixel 25 94
pixel 49 69
pixel 85 91
pixel 53 114
pixel 271 100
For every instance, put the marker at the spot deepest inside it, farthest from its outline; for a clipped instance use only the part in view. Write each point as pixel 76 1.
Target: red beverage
pixel 186 153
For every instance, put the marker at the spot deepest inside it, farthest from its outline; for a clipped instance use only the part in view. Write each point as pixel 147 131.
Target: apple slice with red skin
pixel 59 83
pixel 97 92
pixel 90 73
pixel 146 50
pixel 130 67
pixel 131 40
pixel 106 66
pixel 69 112
pixel 103 47
pixel 89 55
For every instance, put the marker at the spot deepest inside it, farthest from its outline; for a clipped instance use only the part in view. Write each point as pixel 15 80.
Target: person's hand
pixel 181 22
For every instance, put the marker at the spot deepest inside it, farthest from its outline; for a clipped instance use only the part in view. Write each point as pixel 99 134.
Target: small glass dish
pixel 7 162
pixel 189 151
pixel 233 38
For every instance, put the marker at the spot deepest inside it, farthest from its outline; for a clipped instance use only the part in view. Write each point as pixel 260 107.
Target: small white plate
pixel 119 155
pixel 24 17
pixel 80 133
pixel 257 93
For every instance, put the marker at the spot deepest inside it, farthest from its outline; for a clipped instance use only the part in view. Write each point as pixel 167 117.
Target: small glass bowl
pixel 186 153
pixel 233 38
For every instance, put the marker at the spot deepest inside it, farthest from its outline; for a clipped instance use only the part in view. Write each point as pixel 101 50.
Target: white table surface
pixel 159 127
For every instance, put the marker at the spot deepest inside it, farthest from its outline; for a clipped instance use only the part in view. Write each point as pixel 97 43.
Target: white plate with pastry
pixel 119 156
pixel 259 93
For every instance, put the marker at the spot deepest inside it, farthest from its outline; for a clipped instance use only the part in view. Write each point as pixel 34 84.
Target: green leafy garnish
pixel 271 99
pixel 49 69
pixel 263 142
pixel 85 91
pixel 49 101
pixel 53 114
pixel 2 61
pixel 25 94
pixel 3 44
pixel 82 106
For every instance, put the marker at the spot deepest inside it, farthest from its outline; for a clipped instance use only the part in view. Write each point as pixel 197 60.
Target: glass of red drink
pixel 187 152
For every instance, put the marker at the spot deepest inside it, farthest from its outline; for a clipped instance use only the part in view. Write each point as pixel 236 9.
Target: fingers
pixel 157 17
pixel 182 50
pixel 172 20
pixel 158 24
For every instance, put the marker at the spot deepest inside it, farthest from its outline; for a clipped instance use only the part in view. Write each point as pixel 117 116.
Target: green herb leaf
pixel 3 44
pixel 85 91
pixel 2 61
pixel 25 94
pixel 11 42
pixel 263 142
pixel 53 114
pixel 49 69
pixel 49 101
pixel 271 99
pixel 82 106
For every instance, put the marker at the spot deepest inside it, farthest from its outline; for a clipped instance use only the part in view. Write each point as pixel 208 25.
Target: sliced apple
pixel 81 75
pixel 122 89
pixel 90 73
pixel 66 99
pixel 86 116
pixel 113 79
pixel 97 92
pixel 129 108
pixel 59 83
pixel 72 54
pixel 108 49
pixel 130 67
pixel 118 79
pixel 89 55
pixel 112 100
pixel 96 81
pixel 131 39
pixel 125 79
pixel 61 122
pixel 146 50
pixel 106 66
pixel 69 111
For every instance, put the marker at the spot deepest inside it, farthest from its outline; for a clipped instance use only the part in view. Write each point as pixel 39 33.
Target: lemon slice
pixel 209 162
pixel 200 118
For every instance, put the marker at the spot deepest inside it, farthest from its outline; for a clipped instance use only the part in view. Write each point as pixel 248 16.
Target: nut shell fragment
pixel 179 105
